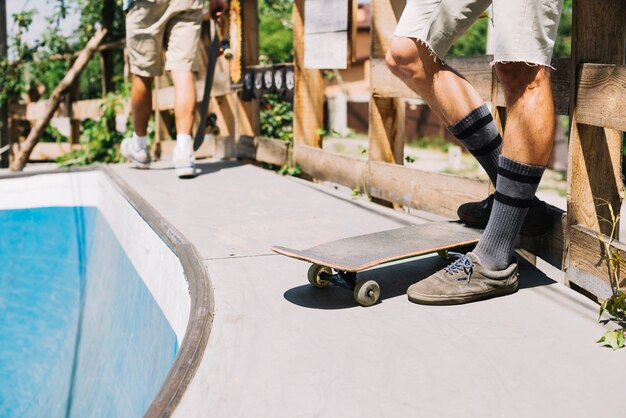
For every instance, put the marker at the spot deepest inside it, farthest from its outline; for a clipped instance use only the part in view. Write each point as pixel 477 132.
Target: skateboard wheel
pixel 443 254
pixel 315 275
pixel 366 292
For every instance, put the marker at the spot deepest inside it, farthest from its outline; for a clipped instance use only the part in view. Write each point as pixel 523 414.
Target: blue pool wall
pixel 108 358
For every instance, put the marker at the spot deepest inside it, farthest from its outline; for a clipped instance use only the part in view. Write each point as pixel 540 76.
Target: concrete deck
pixel 280 347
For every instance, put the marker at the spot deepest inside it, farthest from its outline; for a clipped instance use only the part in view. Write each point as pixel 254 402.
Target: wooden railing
pixel 590 88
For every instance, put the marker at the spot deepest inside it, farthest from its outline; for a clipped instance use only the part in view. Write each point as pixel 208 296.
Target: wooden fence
pixel 590 87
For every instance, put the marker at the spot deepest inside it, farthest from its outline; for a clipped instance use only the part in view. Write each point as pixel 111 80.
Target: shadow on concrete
pixel 210 167
pixel 394 280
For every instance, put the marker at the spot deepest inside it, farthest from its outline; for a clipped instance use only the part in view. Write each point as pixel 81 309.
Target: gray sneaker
pixel 465 280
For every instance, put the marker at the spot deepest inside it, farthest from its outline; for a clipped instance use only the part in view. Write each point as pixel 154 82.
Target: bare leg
pixel 530 123
pixel 446 92
pixel 184 100
pixel 141 103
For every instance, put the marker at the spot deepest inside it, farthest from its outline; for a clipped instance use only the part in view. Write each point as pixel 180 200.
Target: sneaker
pixel 138 157
pixel 465 280
pixel 184 162
pixel 476 214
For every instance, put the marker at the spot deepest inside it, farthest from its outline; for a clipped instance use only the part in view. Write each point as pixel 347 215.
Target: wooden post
pixel 387 115
pixel 107 17
pixel 73 95
pixel 55 98
pixel 595 154
pixel 248 122
pixel 309 88
pixel 4 120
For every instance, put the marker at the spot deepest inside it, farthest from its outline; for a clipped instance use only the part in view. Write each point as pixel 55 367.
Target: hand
pixel 217 8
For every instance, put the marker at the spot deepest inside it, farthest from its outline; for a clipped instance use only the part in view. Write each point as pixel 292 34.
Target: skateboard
pixel 338 262
pixel 214 48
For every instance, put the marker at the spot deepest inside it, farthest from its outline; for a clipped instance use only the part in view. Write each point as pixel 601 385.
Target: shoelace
pixel 462 263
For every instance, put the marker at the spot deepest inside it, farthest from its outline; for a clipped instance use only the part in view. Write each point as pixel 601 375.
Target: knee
pixel 405 58
pixel 518 77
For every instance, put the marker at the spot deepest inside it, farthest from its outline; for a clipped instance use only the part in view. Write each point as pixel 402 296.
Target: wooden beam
pixel 248 120
pixel 433 192
pixel 588 267
pixel 55 98
pixel 387 134
pixel 325 166
pixel 261 149
pixel 601 96
pixel 385 15
pixel 309 88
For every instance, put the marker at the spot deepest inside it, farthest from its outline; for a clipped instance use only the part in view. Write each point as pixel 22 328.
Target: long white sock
pixel 184 143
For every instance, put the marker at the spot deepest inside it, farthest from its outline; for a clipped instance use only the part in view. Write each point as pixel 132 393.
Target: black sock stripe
pixel 487 148
pixel 474 127
pixel 513 201
pixel 522 178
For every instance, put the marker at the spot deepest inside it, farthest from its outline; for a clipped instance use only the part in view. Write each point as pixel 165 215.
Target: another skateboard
pixel 338 262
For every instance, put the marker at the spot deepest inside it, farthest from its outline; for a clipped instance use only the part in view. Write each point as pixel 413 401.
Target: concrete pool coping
pixel 199 283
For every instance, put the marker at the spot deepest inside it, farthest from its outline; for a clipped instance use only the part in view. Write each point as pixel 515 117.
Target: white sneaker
pixel 139 157
pixel 184 162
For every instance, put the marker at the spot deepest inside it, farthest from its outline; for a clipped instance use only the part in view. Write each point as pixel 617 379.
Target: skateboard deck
pixel 365 251
pixel 349 256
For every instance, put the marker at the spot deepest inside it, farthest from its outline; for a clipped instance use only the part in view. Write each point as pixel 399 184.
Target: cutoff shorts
pixel 524 30
pixel 158 28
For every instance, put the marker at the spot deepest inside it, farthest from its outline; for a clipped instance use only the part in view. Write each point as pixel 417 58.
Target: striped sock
pixel 478 133
pixel 515 191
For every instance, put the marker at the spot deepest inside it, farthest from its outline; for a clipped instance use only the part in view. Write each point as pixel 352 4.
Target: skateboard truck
pixel 366 292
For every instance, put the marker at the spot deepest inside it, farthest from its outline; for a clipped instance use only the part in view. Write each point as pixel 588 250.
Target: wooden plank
pixel 433 192
pixel 601 96
pixel 261 149
pixel 308 90
pixel 326 166
pixel 326 25
pixel 588 267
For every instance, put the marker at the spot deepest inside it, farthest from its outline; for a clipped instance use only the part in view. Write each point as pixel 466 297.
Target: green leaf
pixel 409 159
pixel 614 339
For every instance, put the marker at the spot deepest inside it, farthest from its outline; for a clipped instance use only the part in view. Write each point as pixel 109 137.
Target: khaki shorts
pixel 524 30
pixel 155 26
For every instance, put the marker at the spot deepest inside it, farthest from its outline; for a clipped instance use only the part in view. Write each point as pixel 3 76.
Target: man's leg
pixel 135 149
pixel 184 100
pixel 184 112
pixel 450 96
pixel 527 144
pixel 141 103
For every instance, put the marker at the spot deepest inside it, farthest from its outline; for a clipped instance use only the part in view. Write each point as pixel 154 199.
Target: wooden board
pixel 326 25
pixel 366 251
